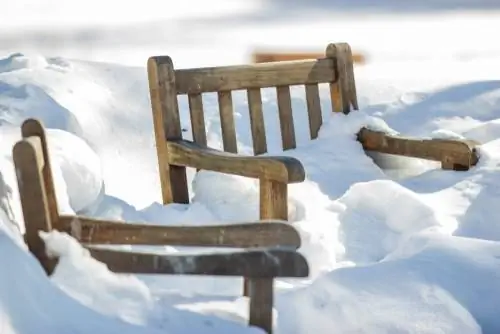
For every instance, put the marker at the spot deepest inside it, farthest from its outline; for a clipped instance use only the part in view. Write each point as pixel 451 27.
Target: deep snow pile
pixel 414 255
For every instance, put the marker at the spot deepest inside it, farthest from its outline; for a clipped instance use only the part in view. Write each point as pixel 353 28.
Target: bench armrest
pixel 277 168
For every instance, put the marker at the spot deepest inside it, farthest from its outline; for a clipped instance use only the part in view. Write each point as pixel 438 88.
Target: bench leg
pixel 261 303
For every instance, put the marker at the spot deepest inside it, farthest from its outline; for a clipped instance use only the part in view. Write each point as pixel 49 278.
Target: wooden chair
pixel 274 172
pixel 276 257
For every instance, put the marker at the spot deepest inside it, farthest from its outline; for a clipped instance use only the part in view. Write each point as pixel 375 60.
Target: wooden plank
pixel 454 154
pixel 313 109
pixel 267 263
pixel 33 128
pixel 280 168
pixel 34 200
pixel 257 121
pixel 227 121
pixel 286 117
pixel 239 77
pixel 241 235
pixel 197 119
pixel 167 125
pixel 261 56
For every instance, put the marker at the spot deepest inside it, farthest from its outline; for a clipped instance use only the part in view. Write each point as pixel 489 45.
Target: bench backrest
pixel 166 83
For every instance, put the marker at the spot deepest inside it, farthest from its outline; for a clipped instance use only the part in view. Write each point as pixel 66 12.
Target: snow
pixel 395 245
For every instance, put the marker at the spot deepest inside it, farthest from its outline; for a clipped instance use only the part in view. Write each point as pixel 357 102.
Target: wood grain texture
pixel 257 263
pixel 273 205
pixel 241 235
pixel 166 123
pixel 27 155
pixel 283 169
pixel 286 117
pixel 239 77
pixel 228 129
pixel 313 109
pixel 454 154
pixel 197 119
pixel 32 129
pixel 257 125
pixel 339 89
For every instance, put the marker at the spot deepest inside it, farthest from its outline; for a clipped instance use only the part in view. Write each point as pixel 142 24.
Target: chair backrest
pixel 166 83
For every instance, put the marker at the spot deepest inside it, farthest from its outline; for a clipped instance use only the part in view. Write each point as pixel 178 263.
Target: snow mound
pixel 80 167
pixel 19 61
pixel 371 228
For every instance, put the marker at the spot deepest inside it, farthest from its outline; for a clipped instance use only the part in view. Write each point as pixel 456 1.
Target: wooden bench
pixel 271 247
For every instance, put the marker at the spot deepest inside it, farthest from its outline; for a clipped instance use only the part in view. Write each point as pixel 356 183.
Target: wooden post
pixel 343 91
pixel 29 162
pixel 273 204
pixel 34 128
pixel 166 121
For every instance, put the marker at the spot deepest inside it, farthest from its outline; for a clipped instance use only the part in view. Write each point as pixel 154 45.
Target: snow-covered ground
pixel 410 249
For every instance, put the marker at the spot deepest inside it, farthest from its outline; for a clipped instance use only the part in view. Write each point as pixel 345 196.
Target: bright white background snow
pixel 412 249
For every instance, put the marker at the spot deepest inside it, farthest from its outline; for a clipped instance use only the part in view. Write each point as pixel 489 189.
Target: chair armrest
pixel 272 233
pixel 277 168
pixel 258 263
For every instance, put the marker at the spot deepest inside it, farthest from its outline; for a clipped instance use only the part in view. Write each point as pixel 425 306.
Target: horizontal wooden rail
pixel 453 154
pixel 251 263
pixel 238 77
pixel 261 56
pixel 243 235
pixel 276 168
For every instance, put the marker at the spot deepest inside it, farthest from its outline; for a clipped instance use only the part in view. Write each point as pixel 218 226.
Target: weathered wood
pixel 197 119
pixel 257 121
pixel 283 169
pixel 227 121
pixel 262 56
pixel 351 82
pixel 239 77
pixel 339 91
pixel 286 117
pixel 31 129
pixel 34 202
pixel 166 126
pixel 313 109
pixel 258 263
pixel 36 142
pixel 454 154
pixel 241 235
pixel 273 205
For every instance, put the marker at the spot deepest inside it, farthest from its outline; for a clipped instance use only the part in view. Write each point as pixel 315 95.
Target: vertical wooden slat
pixel 273 205
pixel 34 202
pixel 339 90
pixel 257 121
pixel 227 121
pixel 197 119
pixel 286 117
pixel 313 109
pixel 33 127
pixel 167 125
